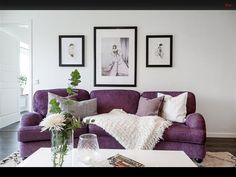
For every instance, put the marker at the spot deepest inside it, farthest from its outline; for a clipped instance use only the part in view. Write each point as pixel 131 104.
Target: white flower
pixel 54 121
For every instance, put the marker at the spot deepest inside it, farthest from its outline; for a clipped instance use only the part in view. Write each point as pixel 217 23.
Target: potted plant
pixel 22 81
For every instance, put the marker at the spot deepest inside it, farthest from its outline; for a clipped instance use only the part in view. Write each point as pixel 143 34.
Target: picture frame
pixel 115 56
pixel 159 50
pixel 71 50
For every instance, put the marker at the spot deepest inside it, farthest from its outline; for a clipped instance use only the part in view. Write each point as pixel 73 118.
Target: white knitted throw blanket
pixel 132 131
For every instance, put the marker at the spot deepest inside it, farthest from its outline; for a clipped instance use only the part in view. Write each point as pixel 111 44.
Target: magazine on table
pixel 122 161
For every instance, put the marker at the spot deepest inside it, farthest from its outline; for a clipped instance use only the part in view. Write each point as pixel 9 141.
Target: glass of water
pixel 88 149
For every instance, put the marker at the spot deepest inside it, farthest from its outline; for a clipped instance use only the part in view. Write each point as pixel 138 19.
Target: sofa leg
pixel 23 158
pixel 198 160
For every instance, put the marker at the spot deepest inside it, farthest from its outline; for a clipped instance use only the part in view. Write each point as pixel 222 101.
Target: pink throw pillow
pixel 148 107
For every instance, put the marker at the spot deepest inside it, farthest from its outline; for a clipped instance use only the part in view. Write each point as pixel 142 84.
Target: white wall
pixel 204 46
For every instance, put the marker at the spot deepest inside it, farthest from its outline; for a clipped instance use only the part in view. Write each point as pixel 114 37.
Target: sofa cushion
pixel 40 98
pixel 33 133
pixel 191 102
pixel 120 99
pixel 148 107
pixel 59 99
pixel 174 108
pixel 76 108
pixel 178 132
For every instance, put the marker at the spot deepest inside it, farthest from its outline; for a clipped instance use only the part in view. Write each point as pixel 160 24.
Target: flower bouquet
pixel 62 125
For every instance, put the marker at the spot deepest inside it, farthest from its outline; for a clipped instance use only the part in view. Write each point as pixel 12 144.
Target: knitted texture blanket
pixel 131 131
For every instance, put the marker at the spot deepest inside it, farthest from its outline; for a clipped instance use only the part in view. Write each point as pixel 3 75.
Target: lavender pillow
pixel 148 107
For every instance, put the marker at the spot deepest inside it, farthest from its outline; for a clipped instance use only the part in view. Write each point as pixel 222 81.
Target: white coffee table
pixel 150 158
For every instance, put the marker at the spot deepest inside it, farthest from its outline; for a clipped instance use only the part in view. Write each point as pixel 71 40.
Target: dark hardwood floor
pixel 8 140
pixel 9 144
pixel 221 144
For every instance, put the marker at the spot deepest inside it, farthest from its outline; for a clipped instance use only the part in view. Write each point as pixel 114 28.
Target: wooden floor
pixel 8 140
pixel 9 144
pixel 221 144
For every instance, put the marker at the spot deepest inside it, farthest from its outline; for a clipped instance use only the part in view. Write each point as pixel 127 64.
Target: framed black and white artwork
pixel 115 56
pixel 159 50
pixel 71 50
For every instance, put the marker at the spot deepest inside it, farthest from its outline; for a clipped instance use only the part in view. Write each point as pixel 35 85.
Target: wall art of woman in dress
pixel 118 61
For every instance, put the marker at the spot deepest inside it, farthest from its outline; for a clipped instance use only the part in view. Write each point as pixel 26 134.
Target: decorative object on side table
pixel 115 56
pixel 22 81
pixel 71 50
pixel 159 50
pixel 62 125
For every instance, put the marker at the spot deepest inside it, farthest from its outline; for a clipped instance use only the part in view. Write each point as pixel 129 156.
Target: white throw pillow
pixel 174 108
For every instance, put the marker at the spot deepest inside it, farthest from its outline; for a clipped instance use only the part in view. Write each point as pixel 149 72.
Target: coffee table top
pixel 150 158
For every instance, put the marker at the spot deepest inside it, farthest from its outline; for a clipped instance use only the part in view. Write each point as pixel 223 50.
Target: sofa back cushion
pixel 120 99
pixel 76 108
pixel 148 107
pixel 191 102
pixel 40 98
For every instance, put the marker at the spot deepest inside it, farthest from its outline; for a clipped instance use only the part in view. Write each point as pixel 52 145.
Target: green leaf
pixel 55 108
pixel 74 81
pixel 75 74
pixel 68 115
pixel 69 90
pixel 76 123
pixel 75 78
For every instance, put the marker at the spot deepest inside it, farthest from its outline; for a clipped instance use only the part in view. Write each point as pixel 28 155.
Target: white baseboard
pixel 221 135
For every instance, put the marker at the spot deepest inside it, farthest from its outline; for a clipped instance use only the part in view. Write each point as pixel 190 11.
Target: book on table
pixel 119 160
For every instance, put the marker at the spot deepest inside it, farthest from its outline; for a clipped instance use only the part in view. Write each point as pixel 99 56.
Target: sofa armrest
pixel 196 121
pixel 32 133
pixel 31 119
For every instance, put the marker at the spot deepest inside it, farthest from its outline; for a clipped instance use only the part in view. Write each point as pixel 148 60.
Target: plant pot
pixel 21 91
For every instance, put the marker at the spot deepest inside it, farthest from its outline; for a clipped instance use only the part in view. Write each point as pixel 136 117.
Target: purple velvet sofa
pixel 189 136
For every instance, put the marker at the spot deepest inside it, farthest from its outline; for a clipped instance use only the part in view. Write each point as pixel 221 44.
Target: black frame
pixel 147 49
pixel 135 56
pixel 60 47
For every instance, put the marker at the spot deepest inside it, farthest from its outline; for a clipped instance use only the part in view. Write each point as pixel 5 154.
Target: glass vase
pixel 88 149
pixel 62 143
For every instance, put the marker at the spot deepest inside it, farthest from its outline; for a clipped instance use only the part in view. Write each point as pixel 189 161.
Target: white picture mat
pixel 153 59
pixel 65 57
pixel 115 33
